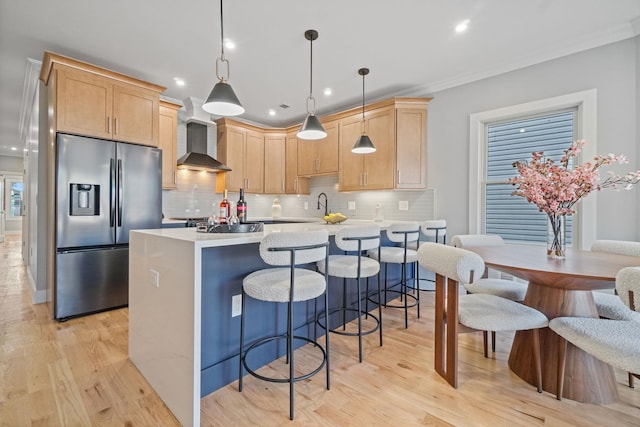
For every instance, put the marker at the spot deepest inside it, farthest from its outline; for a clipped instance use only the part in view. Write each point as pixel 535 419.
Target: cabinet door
pixel 326 150
pixel 306 157
pixel 83 104
pixel 274 164
pixel 293 183
pixel 135 114
pixel 351 172
pixel 167 142
pixel 232 155
pixel 378 166
pixel 254 162
pixel 411 127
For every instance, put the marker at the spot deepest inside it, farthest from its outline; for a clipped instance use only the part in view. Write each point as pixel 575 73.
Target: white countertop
pixel 205 240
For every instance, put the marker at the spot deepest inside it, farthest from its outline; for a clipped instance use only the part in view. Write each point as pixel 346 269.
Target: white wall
pixel 610 69
pixel 12 165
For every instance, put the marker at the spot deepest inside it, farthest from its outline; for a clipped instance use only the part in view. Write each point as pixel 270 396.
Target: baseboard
pixel 37 296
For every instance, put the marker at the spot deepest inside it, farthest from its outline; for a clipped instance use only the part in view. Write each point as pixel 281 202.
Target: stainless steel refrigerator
pixel 103 190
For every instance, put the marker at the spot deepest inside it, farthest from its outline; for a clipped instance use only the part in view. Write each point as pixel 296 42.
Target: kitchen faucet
pixel 325 203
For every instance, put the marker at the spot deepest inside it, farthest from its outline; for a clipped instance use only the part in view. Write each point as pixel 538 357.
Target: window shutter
pixel 513 217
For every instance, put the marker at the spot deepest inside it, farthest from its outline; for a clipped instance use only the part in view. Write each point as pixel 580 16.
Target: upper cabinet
pixel 294 184
pixel 367 171
pixel 167 141
pixel 92 101
pixel 397 128
pixel 320 156
pixel 275 154
pixel 241 148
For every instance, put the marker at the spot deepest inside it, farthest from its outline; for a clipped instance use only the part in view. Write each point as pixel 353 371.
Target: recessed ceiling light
pixel 229 44
pixel 179 81
pixel 328 92
pixel 14 149
pixel 462 26
pixel 272 112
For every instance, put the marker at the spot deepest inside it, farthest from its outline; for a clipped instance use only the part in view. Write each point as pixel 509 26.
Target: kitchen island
pixel 182 336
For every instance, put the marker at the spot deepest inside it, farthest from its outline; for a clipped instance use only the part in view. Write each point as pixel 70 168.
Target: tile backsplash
pixel 196 197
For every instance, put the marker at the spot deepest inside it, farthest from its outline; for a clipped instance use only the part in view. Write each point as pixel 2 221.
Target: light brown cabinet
pixel 241 148
pixel 411 147
pixel 167 141
pixel 373 171
pixel 93 105
pixel 294 184
pixel 274 163
pixel 319 157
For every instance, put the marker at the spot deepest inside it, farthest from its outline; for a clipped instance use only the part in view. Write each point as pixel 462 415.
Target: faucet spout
pixel 325 205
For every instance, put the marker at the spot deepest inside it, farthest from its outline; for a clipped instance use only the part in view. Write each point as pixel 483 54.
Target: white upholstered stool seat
pixel 287 283
pixel 273 284
pixel 347 266
pixel 356 239
pixel 615 342
pixel 402 234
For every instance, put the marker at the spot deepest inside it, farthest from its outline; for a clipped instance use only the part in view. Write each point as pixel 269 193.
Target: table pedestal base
pixel 587 379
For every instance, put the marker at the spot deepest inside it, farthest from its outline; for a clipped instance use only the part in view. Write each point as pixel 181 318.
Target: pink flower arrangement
pixel 555 188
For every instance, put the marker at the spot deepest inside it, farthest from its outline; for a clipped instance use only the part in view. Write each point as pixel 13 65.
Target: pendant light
pixel 222 100
pixel 363 145
pixel 311 127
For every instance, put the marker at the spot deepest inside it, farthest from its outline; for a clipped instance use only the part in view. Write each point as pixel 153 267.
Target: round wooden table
pixel 560 288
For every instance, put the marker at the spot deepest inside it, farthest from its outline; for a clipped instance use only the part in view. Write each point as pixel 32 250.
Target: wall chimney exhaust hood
pixel 196 157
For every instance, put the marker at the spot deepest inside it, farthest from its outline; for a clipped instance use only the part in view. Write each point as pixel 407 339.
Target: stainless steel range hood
pixel 196 157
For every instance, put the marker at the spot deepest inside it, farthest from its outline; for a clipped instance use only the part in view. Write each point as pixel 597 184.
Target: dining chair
pixel 288 283
pixel 475 312
pixel 509 289
pixel 609 305
pixel 616 342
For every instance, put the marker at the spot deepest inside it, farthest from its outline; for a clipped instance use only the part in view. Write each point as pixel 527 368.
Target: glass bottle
pixel 225 209
pixel 241 208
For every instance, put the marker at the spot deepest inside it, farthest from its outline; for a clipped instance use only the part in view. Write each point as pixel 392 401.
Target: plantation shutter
pixel 512 217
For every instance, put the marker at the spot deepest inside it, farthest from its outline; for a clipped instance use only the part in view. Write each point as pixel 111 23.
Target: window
pixel 511 217
pixel 583 104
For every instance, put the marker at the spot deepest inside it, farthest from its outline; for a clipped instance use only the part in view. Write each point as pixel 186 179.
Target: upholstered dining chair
pixel 478 312
pixel 609 305
pixel 289 284
pixel 616 342
pixel 504 288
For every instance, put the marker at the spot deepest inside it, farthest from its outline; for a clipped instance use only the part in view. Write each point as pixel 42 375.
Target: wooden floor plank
pixel 78 373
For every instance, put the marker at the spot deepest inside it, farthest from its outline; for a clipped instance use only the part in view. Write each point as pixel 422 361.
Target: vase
pixel 556 237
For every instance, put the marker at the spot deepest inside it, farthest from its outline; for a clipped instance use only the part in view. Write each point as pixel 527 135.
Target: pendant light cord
pixel 221 33
pixel 311 98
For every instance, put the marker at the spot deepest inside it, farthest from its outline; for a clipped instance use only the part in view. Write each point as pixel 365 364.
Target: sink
pixel 247 227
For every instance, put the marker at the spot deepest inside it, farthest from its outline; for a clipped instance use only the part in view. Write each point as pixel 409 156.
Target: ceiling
pixel 410 46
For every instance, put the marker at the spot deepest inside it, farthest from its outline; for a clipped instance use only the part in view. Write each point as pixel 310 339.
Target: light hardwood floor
pixel 77 374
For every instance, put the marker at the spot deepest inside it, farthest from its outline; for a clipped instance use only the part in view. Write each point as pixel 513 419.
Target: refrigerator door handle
pixel 112 193
pixel 119 192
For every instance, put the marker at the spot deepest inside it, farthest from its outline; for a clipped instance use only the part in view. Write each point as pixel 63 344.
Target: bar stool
pixel 349 266
pixel 287 285
pixel 434 230
pixel 403 234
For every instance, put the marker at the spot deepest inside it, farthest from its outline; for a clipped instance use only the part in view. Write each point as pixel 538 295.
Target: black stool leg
pixel 290 357
pixel 241 355
pixel 417 281
pixel 359 320
pixel 344 303
pixel 379 309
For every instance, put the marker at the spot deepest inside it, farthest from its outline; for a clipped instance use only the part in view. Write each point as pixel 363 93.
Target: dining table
pixel 558 288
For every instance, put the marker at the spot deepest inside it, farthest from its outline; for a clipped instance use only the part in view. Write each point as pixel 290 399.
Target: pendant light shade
pixel 311 127
pixel 222 100
pixel 363 145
